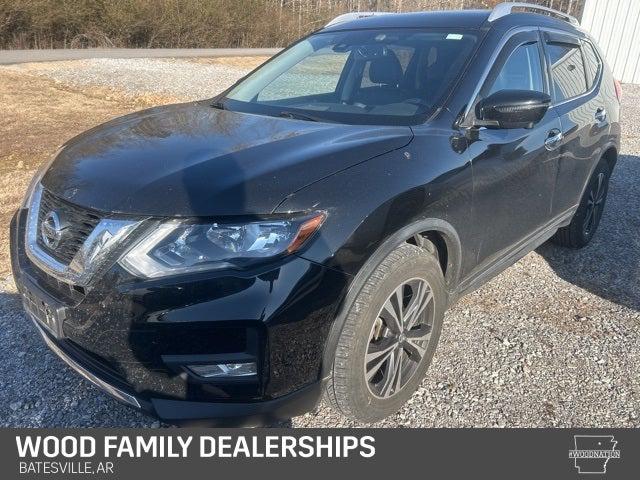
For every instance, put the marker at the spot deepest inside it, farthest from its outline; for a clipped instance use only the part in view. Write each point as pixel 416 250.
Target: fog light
pixel 224 370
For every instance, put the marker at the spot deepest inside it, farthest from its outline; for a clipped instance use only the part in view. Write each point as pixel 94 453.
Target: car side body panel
pixel 493 198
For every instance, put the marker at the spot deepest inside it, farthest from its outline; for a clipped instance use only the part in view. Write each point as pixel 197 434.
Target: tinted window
pixel 567 71
pixel 593 62
pixel 361 76
pixel 521 71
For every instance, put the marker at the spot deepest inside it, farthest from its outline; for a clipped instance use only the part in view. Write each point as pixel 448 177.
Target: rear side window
pixel 567 70
pixel 521 71
pixel 593 63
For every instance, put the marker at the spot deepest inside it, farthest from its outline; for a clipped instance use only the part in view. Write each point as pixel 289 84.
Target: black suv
pixel 305 231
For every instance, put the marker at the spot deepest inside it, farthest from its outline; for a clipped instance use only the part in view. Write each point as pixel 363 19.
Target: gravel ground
pixel 552 341
pixel 182 79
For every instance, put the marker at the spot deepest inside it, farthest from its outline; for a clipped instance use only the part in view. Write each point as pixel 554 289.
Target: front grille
pixel 79 223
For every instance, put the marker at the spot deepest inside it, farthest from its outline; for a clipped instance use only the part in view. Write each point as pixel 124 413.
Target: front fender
pixel 386 197
pixel 374 207
pixel 454 250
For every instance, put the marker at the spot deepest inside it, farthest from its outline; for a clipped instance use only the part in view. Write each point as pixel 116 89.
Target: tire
pixel 585 221
pixel 366 332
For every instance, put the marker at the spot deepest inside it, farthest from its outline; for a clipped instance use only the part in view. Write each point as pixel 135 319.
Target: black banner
pixel 357 453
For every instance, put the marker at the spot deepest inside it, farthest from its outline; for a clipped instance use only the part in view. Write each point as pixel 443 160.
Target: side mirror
pixel 512 109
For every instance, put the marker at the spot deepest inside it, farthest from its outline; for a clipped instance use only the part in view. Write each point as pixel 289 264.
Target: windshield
pixel 364 76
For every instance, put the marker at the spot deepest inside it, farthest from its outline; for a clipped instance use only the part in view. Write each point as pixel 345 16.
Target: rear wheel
pixel 389 337
pixel 585 222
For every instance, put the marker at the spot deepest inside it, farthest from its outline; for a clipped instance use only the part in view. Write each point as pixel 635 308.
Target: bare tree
pixel 195 23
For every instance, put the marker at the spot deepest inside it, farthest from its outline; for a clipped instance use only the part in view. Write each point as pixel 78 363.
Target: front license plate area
pixel 46 314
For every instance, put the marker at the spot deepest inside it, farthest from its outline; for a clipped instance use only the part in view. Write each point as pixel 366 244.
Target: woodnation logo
pixel 592 452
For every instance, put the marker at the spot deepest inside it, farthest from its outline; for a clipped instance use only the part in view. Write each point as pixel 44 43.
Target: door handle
pixel 554 139
pixel 601 115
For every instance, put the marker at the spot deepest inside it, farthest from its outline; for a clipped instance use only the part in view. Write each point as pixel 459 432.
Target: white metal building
pixel 615 24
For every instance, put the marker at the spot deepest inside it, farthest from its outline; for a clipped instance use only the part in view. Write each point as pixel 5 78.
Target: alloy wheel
pixel 594 205
pixel 399 338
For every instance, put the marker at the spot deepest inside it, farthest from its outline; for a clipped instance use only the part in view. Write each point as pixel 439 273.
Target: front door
pixel 514 169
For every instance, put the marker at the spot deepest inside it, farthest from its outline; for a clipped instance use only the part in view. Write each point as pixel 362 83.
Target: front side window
pixel 567 70
pixel 375 77
pixel 521 71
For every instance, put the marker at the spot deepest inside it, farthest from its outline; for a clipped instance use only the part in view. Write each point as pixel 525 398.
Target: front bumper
pixel 194 413
pixel 134 338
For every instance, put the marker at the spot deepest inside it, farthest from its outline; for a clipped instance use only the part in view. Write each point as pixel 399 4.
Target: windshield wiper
pixel 218 104
pixel 300 116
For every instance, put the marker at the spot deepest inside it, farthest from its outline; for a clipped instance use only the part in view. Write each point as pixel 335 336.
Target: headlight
pixel 183 246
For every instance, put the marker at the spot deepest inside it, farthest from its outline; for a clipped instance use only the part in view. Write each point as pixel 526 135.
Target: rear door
pixel 575 70
pixel 514 173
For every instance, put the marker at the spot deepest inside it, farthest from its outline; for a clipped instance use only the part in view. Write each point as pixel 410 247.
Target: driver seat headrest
pixel 386 70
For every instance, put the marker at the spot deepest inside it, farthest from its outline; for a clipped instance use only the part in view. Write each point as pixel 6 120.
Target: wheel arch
pixel 449 253
pixel 609 155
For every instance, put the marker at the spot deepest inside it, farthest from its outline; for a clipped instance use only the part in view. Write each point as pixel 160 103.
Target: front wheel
pixel 389 337
pixel 585 222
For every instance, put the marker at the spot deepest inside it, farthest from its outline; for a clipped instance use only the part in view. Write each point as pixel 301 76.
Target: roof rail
pixel 348 17
pixel 506 8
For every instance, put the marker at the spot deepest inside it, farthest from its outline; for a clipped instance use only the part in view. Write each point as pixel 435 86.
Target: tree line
pixel 194 23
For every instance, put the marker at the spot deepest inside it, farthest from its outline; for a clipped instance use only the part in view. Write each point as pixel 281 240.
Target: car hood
pixel 194 160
